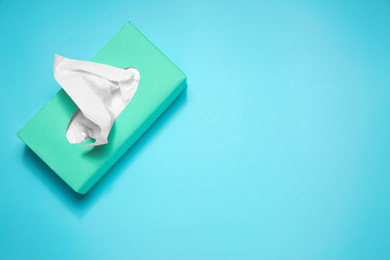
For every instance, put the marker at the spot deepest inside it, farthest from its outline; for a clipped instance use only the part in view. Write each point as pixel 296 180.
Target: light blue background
pixel 279 149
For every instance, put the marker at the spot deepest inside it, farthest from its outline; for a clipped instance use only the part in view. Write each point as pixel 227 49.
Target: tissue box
pixel 81 167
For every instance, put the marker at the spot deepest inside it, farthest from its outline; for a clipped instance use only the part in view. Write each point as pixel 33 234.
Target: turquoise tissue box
pixel 81 167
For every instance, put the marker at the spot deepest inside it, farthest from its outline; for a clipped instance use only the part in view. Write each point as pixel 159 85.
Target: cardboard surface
pixel 80 167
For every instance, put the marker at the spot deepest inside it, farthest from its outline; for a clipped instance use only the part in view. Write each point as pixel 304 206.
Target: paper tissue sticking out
pixel 100 91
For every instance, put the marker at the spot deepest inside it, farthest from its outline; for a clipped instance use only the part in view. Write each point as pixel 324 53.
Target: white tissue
pixel 100 91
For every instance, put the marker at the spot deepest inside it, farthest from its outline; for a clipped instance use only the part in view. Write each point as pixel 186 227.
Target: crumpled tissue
pixel 100 91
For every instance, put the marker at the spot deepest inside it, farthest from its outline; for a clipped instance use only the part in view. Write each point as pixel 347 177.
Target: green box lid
pixel 81 167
